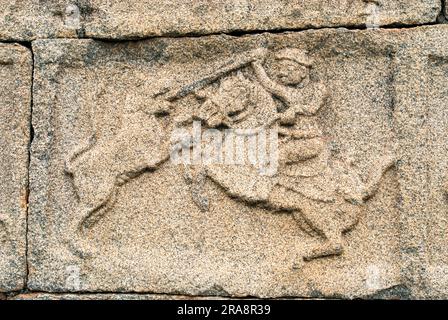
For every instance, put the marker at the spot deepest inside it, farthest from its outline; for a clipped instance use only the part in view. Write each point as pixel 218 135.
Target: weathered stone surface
pixel 110 212
pixel 110 296
pixel 33 19
pixel 422 133
pixel 179 17
pixel 15 106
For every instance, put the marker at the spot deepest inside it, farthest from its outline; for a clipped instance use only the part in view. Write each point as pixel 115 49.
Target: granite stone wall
pixel 223 149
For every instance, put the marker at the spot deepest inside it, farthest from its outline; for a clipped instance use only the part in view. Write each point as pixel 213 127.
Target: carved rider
pixel 325 196
pixel 295 118
pixel 300 135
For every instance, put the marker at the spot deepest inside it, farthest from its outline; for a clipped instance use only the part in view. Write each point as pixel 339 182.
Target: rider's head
pixel 291 67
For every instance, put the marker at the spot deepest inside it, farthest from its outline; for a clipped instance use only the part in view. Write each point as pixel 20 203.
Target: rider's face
pixel 289 73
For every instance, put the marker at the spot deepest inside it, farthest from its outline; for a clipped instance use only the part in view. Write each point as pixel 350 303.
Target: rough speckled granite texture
pixel 32 19
pixel 109 213
pixel 15 109
pixel 356 208
pixel 102 296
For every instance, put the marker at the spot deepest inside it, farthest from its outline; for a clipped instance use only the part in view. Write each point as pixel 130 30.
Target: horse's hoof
pixel 81 249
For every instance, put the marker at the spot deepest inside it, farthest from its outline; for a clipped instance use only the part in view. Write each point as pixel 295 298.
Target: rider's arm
pixel 272 87
pixel 318 101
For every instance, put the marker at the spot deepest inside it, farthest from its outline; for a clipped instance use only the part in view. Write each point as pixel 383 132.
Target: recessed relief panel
pixel 35 19
pixel 261 166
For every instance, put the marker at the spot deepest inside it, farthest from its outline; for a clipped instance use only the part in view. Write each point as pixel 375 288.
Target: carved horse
pixel 99 168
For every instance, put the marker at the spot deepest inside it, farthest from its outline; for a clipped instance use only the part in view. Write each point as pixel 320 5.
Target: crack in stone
pixel 31 137
pixel 243 33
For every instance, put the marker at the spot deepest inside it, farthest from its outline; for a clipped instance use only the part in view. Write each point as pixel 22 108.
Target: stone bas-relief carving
pixel 325 200
pixel 31 19
pixel 308 184
pixel 15 99
pixel 112 212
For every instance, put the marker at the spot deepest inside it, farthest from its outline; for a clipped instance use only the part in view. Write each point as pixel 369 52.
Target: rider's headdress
pixel 296 55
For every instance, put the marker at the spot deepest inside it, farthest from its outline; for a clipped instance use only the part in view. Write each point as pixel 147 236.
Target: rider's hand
pixel 259 54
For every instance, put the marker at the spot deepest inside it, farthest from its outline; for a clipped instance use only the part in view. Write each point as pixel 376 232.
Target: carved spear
pixel 230 65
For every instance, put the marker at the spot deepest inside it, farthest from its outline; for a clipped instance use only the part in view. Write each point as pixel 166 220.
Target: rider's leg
pixel 322 219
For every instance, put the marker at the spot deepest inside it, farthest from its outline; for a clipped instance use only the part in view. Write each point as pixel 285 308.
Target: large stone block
pixel 422 135
pixel 31 19
pixel 15 109
pixel 111 210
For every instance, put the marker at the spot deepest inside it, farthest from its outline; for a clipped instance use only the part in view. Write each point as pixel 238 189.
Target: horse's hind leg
pixel 86 218
pixel 74 236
